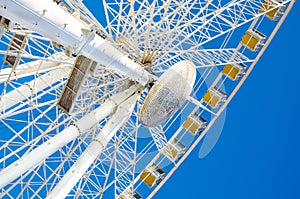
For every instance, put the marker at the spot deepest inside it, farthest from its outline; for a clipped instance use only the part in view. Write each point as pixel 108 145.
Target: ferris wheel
pixel 107 101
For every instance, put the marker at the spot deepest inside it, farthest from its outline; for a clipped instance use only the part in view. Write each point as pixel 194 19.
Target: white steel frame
pixel 97 148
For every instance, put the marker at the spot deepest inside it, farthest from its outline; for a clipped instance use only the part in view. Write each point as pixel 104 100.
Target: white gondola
pixel 253 40
pixel 195 123
pixel 129 194
pixel 234 71
pixel 215 97
pixel 152 175
pixel 271 9
pixel 174 150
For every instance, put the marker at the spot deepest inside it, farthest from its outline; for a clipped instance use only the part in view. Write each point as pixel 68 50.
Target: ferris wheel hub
pixel 168 94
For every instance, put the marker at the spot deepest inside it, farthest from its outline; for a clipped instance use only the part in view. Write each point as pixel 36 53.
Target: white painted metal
pixel 159 137
pixel 161 33
pixel 30 160
pixel 33 87
pixel 33 67
pixel 50 20
pixel 95 148
pixel 39 154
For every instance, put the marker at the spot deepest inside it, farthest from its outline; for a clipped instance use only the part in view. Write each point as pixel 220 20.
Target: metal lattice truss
pixel 100 149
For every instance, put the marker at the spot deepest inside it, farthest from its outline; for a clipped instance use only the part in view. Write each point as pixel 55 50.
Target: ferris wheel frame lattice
pixel 111 106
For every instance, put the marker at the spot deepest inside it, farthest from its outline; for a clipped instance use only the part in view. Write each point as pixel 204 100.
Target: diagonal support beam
pixel 96 147
pixel 40 153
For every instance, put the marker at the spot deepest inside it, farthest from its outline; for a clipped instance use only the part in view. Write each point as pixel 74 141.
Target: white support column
pixel 50 20
pixel 33 87
pixel 40 153
pixel 96 147
pixel 33 158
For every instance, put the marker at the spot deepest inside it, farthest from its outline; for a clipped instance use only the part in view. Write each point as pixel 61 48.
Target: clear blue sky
pixel 257 155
